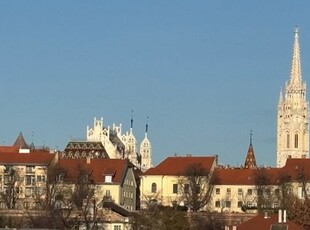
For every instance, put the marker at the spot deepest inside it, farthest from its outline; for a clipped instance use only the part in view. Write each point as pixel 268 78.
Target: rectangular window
pixel 186 188
pixel 217 191
pixel 217 204
pixel 250 191
pixel 277 192
pixel 228 192
pixel 228 203
pixel 240 191
pixel 240 204
pixel 30 169
pixel 30 180
pixel 175 188
pixel 117 227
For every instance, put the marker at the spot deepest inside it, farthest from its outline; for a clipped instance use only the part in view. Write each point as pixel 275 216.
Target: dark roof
pixel 20 142
pixel 95 149
pixel 176 165
pixel 117 208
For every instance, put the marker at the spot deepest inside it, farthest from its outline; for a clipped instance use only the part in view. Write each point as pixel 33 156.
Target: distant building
pixel 293 114
pixel 120 145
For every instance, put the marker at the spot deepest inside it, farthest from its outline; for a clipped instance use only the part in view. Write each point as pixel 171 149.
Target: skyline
pixel 205 73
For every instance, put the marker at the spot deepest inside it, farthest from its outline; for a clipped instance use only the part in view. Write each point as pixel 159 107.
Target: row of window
pixel 175 188
pixel 28 179
pixel 228 191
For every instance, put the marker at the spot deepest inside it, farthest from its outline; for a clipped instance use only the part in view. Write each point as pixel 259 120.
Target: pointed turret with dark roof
pixel 20 142
pixel 250 161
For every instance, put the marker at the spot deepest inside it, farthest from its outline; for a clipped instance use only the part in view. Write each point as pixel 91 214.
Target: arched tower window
pixel 287 140
pixel 154 188
pixel 296 141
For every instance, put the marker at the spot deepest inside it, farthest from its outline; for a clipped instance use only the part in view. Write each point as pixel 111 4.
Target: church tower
pixel 250 161
pixel 293 113
pixel 146 152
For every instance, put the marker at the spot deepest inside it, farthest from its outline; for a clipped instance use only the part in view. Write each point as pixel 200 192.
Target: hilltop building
pixel 120 145
pixel 293 113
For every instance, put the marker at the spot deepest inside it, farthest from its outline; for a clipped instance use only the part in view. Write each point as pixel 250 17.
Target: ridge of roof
pixel 176 165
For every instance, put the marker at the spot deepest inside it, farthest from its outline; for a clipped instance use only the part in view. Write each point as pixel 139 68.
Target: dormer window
pixel 108 175
pixel 108 178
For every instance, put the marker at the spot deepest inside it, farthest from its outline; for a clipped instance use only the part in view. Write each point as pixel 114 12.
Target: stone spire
pixel 293 113
pixel 250 161
pixel 295 78
pixel 146 151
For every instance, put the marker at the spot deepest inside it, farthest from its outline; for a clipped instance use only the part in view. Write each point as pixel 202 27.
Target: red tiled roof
pixel 11 155
pixel 243 176
pixel 260 223
pixel 97 167
pixel 293 167
pixel 177 165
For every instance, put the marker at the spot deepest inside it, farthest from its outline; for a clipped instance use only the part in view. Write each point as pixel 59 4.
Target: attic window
pixel 108 175
pixel 108 178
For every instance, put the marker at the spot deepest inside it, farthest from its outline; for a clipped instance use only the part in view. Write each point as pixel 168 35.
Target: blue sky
pixel 205 72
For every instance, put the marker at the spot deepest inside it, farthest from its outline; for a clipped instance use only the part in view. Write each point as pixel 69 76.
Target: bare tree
pixel 12 183
pixel 196 186
pixel 53 199
pixel 264 189
pixel 83 196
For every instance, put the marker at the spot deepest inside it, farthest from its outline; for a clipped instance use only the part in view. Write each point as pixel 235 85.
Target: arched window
pixel 296 141
pixel 287 140
pixel 154 188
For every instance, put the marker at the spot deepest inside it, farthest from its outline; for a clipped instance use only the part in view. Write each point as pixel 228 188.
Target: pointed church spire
pixel 20 142
pixel 295 78
pixel 250 161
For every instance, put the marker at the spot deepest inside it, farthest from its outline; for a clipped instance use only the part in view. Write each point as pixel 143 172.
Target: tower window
pixel 287 140
pixel 296 141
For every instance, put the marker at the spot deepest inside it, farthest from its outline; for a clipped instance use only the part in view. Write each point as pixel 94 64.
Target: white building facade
pixel 113 139
pixel 293 113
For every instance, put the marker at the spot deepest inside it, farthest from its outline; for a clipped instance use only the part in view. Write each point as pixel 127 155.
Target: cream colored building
pixel 293 113
pixel 161 184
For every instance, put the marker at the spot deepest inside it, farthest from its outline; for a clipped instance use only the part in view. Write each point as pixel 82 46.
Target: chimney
pixel 88 160
pixel 284 216
pixel 280 216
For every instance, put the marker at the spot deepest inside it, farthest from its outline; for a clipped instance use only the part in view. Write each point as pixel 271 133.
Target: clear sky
pixel 205 72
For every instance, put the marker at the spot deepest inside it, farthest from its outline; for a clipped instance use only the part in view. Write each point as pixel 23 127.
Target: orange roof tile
pixel 243 176
pixel 97 167
pixel 13 157
pixel 260 223
pixel 176 165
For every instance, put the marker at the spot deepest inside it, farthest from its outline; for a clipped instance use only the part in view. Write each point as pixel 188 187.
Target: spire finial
pixel 131 120
pixel 296 32
pixel 147 124
pixel 251 136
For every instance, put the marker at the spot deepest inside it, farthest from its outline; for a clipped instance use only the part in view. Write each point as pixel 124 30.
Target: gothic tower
pixel 250 161
pixel 146 152
pixel 293 113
